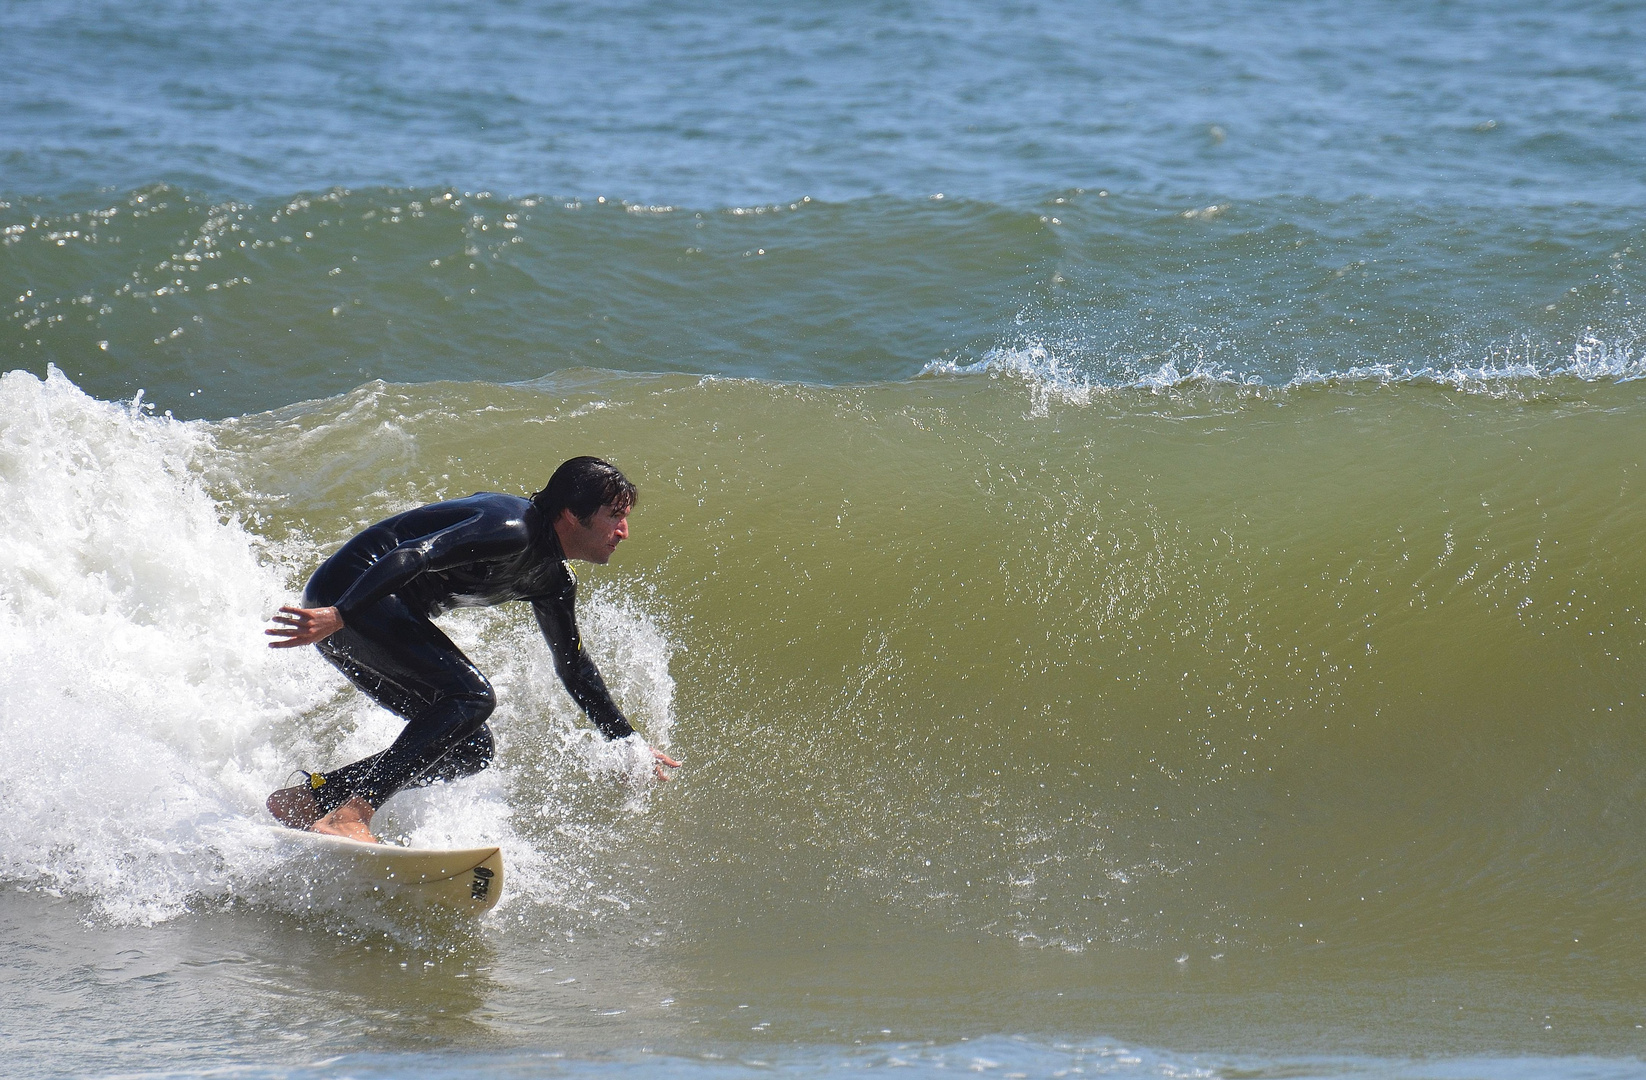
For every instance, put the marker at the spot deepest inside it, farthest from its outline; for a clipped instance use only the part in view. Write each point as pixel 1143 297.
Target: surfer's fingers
pixel 292 635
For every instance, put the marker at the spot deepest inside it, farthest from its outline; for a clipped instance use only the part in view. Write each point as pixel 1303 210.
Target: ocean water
pixel 1138 545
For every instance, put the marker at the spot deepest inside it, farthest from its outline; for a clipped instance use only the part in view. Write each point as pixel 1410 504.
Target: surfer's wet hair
pixel 583 485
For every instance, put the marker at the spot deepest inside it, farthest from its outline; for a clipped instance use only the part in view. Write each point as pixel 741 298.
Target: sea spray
pixel 139 701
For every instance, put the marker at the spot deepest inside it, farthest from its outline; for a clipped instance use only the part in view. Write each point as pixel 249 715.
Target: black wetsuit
pixel 389 582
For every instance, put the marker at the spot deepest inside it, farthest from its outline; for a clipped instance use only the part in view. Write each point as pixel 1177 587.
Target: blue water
pixel 997 1056
pixel 732 104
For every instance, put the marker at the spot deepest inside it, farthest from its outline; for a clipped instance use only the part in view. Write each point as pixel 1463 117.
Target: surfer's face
pixel 594 542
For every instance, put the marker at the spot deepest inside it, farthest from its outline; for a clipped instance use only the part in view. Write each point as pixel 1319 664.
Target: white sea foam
pixel 137 699
pixel 143 719
pixel 1053 377
pixel 1592 359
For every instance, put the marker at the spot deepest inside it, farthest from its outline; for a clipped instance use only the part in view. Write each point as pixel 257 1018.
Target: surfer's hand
pixel 303 626
pixel 662 759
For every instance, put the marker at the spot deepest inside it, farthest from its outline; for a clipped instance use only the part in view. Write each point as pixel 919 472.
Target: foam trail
pixel 138 699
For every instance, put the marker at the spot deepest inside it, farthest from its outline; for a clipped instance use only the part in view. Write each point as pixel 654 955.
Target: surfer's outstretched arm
pixel 557 618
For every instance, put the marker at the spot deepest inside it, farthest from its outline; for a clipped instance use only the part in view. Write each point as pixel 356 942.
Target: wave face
pixel 1332 685
pixel 215 308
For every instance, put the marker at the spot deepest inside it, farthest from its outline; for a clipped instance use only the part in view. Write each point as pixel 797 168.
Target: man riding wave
pixel 369 610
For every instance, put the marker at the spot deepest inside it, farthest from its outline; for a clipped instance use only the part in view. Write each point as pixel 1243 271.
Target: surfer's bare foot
pixel 352 821
pixel 294 807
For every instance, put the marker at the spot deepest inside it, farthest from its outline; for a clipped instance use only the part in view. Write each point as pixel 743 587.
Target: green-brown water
pixel 1220 720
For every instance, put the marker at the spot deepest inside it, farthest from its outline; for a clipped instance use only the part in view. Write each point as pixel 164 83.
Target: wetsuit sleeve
pixel 474 538
pixel 557 616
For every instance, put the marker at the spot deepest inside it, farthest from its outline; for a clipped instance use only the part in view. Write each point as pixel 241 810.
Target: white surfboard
pixel 463 881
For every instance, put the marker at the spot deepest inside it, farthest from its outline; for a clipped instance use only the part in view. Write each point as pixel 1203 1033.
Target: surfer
pixel 368 609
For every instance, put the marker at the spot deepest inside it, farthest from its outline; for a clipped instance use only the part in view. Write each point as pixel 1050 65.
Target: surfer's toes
pixel 363 835
pixel 294 807
pixel 352 821
pixel 348 830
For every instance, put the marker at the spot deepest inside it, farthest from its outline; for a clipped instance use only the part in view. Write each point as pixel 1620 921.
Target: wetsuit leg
pixel 403 662
pixel 465 759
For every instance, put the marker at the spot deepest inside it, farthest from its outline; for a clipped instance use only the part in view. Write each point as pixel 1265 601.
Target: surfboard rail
pixel 467 881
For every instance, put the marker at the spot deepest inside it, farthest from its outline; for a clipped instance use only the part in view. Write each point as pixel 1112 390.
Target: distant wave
pixel 216 307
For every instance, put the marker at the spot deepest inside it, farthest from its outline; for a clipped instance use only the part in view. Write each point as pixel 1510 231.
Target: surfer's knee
pixel 473 754
pixel 480 701
pixel 481 747
pixel 465 714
